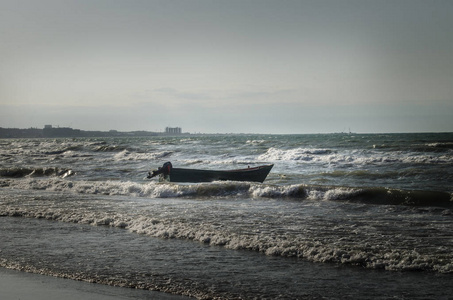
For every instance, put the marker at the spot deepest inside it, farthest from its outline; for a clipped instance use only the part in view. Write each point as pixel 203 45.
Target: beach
pixel 18 285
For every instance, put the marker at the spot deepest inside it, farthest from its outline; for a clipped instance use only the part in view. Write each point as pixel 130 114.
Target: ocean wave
pixel 109 148
pixel 307 154
pixel 257 142
pixel 358 157
pixel 36 172
pixel 232 190
pixel 126 155
pixel 62 149
pixel 441 145
pixel 331 247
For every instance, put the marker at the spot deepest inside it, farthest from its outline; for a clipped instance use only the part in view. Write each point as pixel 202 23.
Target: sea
pixel 340 216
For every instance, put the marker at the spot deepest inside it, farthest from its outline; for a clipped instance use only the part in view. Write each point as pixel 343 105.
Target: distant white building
pixel 173 130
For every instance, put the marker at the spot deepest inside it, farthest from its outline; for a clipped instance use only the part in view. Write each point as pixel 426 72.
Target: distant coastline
pixel 64 132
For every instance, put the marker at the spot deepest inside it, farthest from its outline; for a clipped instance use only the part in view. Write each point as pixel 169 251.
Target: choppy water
pixel 335 210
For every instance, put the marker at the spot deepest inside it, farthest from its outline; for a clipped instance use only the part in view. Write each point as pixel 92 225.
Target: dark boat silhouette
pixel 168 173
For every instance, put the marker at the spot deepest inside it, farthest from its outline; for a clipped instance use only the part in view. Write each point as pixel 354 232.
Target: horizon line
pixel 224 133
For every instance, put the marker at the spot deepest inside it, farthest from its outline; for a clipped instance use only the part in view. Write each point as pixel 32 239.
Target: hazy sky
pixel 227 66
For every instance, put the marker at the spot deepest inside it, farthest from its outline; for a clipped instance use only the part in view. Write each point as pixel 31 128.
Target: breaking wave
pixel 306 154
pixel 242 233
pixel 357 157
pixel 126 155
pixel 228 189
pixel 36 172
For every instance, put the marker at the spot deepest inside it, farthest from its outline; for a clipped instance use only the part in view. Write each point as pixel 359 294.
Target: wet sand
pixel 17 285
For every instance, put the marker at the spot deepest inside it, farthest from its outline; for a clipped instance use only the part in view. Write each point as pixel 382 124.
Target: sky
pixel 248 66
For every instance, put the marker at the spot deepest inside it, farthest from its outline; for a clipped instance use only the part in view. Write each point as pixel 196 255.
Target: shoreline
pixel 21 285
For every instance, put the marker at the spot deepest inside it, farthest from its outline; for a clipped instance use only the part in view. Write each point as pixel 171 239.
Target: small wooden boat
pixel 168 173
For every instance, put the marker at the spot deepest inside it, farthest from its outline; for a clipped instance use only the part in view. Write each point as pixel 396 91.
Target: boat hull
pixel 257 174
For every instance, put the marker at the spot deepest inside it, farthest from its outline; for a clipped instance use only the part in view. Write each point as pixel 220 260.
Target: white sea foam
pixel 126 155
pixel 256 142
pixel 289 215
pixel 231 190
pixel 331 193
pixel 326 156
pixel 330 246
pixel 272 191
pixel 303 154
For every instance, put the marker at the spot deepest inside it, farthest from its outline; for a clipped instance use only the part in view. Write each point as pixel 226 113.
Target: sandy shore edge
pixel 18 285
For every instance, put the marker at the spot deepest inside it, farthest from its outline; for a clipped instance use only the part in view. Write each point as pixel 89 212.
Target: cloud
pixel 215 97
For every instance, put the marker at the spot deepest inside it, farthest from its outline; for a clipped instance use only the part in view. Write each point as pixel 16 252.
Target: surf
pixel 225 189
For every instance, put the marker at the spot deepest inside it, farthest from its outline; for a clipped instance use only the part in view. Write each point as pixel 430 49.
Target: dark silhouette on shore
pixel 56 132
